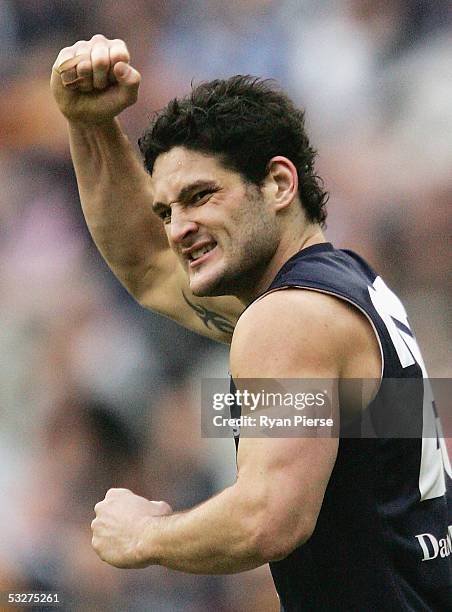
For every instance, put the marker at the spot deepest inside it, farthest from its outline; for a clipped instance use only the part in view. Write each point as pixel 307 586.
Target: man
pixel 346 525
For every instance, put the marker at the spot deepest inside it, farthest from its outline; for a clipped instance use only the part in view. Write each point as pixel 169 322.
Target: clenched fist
pixel 121 524
pixel 92 81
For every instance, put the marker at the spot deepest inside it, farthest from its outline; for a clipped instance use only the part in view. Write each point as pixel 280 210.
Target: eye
pixel 165 215
pixel 201 195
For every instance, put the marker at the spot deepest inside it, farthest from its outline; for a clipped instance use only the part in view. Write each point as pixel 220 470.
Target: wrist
pixel 147 546
pixel 106 137
pixel 104 126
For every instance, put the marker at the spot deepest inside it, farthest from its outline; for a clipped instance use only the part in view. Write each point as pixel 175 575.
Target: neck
pixel 286 249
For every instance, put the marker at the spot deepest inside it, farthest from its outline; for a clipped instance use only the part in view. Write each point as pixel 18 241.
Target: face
pixel 220 227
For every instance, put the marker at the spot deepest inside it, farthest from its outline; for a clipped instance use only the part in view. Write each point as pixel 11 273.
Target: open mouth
pixel 195 255
pixel 199 255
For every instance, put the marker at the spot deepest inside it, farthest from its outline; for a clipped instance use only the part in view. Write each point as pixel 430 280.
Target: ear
pixel 281 182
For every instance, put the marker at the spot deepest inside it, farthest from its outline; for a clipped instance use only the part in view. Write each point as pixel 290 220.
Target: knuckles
pixel 80 44
pixel 100 63
pixel 118 42
pixel 115 50
pixel 112 494
pixel 116 491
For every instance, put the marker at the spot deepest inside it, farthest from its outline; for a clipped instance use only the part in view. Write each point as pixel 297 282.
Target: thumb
pixel 126 75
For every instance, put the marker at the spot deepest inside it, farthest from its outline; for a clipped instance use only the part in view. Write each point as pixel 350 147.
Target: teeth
pixel 196 254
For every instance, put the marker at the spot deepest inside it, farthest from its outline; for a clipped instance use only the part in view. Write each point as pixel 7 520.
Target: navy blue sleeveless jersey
pixel 383 536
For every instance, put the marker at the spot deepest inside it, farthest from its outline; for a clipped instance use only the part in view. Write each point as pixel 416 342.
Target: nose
pixel 180 227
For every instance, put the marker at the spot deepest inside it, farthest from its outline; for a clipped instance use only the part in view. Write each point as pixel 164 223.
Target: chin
pixel 209 288
pixel 206 291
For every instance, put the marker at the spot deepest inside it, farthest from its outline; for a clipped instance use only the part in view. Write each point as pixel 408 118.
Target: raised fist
pixel 92 81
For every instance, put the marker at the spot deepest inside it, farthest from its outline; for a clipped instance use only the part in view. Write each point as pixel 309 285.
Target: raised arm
pixel 92 82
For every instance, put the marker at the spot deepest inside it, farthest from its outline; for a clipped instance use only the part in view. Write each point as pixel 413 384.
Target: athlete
pixel 223 233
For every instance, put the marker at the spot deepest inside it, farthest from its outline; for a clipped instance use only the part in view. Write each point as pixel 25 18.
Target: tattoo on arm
pixel 211 318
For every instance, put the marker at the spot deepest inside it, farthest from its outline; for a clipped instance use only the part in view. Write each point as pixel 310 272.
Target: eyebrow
pixel 185 193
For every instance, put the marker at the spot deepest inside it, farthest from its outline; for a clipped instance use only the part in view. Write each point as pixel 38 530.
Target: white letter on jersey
pixel 434 460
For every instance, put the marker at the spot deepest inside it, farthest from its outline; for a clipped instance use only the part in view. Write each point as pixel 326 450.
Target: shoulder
pixel 300 332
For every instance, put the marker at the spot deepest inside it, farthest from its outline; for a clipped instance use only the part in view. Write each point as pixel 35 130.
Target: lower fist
pixel 121 525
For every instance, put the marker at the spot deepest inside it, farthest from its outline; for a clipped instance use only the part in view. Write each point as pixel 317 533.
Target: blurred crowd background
pixel 96 392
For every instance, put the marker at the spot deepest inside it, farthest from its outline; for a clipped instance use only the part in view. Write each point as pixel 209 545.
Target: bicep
pixel 287 343
pixel 290 475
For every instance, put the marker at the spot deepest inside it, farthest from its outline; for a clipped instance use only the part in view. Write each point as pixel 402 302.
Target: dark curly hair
pixel 246 121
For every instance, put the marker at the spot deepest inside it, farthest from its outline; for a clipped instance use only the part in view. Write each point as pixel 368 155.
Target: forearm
pixel 115 193
pixel 221 536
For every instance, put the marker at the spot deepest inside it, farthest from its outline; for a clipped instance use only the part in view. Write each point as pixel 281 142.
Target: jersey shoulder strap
pixel 346 275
